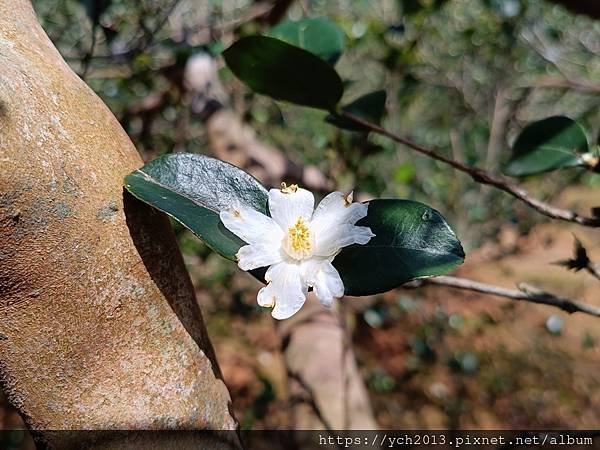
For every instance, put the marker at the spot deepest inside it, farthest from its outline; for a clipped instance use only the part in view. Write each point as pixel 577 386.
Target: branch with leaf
pixel 410 240
pixel 286 67
pixel 283 71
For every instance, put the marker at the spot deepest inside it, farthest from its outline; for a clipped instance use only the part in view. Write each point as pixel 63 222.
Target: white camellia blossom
pixel 298 244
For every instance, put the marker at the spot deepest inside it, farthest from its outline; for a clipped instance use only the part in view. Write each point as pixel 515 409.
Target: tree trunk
pixel 99 325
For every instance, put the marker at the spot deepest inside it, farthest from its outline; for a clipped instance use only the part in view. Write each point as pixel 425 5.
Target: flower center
pixel 298 242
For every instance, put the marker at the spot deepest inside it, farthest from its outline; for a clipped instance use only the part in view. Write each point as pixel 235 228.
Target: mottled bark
pixel 99 325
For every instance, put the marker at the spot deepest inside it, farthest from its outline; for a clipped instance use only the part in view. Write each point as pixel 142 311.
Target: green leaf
pixel 282 71
pixel 193 189
pixel 411 241
pixel 369 107
pixel 317 35
pixel 405 173
pixel 549 144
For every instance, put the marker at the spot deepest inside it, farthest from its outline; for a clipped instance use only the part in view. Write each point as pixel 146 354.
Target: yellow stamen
pixel 299 240
pixel 288 189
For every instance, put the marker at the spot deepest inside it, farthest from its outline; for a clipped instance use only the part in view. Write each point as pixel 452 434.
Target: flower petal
pixel 254 256
pixel 335 210
pixel 286 207
pixel 251 226
pixel 285 290
pixel 325 280
pixel 331 240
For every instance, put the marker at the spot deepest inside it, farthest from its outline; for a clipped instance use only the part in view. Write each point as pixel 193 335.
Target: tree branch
pixel 594 270
pixel 483 177
pixel 550 82
pixel 309 398
pixel 525 293
pixel 146 39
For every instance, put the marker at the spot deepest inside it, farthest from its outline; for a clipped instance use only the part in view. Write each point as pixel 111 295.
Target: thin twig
pixel 525 293
pixel 483 177
pixel 90 54
pixel 594 270
pixel 137 45
pixel 500 117
pixel 550 82
pixel 580 260
pixel 149 35
pixel 310 398
pixel 254 12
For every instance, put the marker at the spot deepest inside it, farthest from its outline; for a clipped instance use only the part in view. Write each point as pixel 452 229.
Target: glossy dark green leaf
pixel 318 35
pixel 193 189
pixel 282 71
pixel 411 241
pixel 546 145
pixel 369 107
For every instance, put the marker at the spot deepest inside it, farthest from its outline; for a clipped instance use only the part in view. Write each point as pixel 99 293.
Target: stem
pixel 594 270
pixel 525 293
pixel 482 176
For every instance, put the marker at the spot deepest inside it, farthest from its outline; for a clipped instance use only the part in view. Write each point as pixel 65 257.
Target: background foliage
pixel 442 65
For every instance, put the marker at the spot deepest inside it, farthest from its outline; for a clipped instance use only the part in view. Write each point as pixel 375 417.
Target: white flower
pixel 298 245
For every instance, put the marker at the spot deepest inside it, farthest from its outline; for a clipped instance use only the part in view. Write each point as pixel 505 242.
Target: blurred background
pixel 463 76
